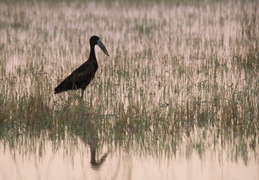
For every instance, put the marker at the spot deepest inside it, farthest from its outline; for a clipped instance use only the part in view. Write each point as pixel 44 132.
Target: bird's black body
pixel 84 74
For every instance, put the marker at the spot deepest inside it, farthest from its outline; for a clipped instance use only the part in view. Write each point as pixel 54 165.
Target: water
pixel 70 161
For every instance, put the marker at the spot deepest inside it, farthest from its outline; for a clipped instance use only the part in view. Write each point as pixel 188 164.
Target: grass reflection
pixel 126 132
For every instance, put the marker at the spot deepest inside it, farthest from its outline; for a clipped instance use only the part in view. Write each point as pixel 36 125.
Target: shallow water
pixel 65 163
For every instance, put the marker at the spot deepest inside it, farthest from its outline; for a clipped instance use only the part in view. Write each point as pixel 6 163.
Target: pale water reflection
pixel 65 163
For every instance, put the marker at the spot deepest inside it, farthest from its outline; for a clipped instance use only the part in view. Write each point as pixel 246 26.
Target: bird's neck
pixel 92 53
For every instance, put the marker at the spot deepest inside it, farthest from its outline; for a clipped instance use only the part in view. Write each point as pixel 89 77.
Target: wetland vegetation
pixel 181 79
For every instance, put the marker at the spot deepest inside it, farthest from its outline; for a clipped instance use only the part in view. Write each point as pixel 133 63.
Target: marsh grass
pixel 180 76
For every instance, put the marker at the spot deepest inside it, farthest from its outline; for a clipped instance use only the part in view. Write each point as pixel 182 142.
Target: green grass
pixel 179 76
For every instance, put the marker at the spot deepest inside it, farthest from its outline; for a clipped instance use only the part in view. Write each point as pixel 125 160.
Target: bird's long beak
pixel 101 45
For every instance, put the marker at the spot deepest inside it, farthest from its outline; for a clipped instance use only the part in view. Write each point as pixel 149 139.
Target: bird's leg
pixel 82 94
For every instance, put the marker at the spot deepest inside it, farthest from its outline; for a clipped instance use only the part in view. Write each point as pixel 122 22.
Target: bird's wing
pixel 83 73
pixel 80 76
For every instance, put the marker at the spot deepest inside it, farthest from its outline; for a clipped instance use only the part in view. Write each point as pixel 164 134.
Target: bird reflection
pixel 95 164
pixel 88 134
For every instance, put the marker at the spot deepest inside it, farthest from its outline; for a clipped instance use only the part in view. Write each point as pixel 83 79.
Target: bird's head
pixel 95 40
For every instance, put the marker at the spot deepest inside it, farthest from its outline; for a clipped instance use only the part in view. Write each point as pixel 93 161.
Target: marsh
pixel 176 99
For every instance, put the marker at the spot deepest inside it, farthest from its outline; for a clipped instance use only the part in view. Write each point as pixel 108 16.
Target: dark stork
pixel 84 74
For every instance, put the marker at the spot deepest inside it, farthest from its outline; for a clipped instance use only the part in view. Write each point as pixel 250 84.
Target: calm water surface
pixel 79 160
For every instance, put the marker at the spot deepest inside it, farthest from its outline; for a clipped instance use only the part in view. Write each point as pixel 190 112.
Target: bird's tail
pixel 59 88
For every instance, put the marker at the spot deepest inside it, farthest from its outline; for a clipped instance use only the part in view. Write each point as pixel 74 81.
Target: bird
pixel 84 74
